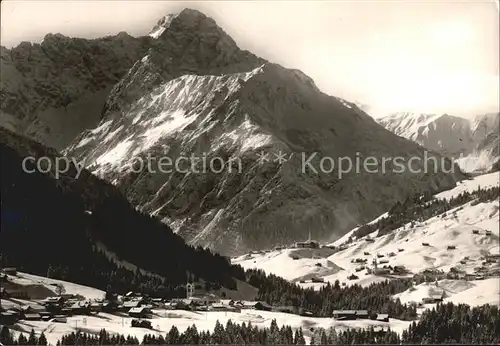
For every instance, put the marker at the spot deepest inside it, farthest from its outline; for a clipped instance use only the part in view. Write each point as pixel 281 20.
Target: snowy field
pixel 69 288
pixel 165 319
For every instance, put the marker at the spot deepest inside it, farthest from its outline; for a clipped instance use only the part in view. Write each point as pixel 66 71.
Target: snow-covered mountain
pixel 196 94
pixel 54 90
pixel 473 142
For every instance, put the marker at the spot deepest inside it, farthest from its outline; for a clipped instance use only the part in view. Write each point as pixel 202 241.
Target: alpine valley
pixel 257 249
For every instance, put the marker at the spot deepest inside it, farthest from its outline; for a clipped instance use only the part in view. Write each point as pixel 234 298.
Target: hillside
pixel 54 225
pixel 196 99
pixel 452 228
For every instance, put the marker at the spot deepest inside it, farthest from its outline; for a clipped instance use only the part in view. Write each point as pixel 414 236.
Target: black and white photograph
pixel 249 172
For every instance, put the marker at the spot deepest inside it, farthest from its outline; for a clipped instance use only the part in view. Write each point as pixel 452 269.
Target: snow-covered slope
pixel 197 99
pixel 474 143
pixel 454 228
pixel 164 320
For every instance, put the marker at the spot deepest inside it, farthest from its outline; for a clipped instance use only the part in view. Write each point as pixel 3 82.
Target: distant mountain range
pixel 188 90
pixel 473 143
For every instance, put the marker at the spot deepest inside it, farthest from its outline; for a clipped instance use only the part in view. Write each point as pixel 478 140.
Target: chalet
pixel 141 324
pixel 475 231
pixel 80 308
pixel 370 240
pixel 317 280
pixel 131 304
pixel 392 254
pixel 109 306
pixel 358 269
pixel 344 314
pixel 295 258
pixel 401 250
pixel 383 261
pixel 220 307
pixel 352 277
pixel 425 244
pixel 96 307
pixel 433 298
pixel 53 301
pixel 366 253
pixel 257 306
pixel 310 244
pixel 32 317
pixel 140 312
pixel 451 247
pixel 382 318
pixel 227 302
pixel 318 264
pixel 399 269
pixel 362 314
pixel 60 319
pixel 10 271
pixel 488 233
pixel 380 255
pixel 8 318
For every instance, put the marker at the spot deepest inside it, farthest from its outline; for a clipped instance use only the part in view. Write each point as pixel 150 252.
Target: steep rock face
pixel 474 144
pixel 198 101
pixel 54 90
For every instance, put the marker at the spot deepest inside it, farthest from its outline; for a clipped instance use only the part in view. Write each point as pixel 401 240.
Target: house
pixel 310 244
pixel 383 317
pixel 317 280
pixel 433 298
pixel 96 307
pixel 370 240
pixel 227 302
pixel 401 250
pixel 80 308
pixel 380 255
pixel 344 314
pixel 10 271
pixel 109 306
pixel 8 318
pixel 362 314
pixel 366 253
pixel 31 317
pixel 488 233
pixel 451 247
pixel 257 306
pixel 53 301
pixel 475 231
pixel 425 244
pixel 131 304
pixel 220 307
pixel 140 312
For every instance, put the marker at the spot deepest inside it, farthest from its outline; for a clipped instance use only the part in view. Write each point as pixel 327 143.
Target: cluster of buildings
pixel 359 315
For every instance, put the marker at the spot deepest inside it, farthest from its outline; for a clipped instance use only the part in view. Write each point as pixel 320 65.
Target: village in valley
pixel 29 301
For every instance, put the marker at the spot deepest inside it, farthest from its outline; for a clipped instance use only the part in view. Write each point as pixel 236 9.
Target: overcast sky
pixel 425 56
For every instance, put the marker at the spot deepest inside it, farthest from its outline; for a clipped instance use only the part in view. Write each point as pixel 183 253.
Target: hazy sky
pixel 424 56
